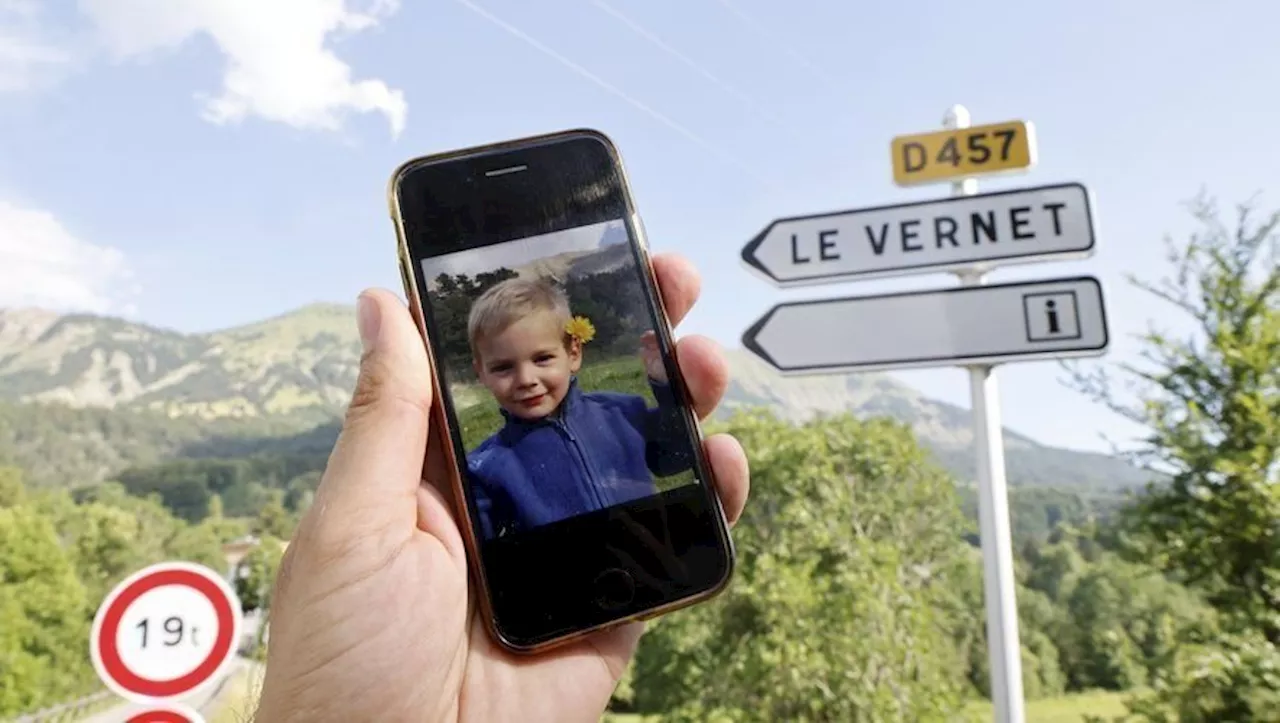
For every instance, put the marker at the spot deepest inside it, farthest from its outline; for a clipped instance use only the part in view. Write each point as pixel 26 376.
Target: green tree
pixel 216 510
pixel 615 304
pixel 111 534
pixel 301 491
pixel 451 302
pixel 1235 677
pixel 255 579
pixel 1115 623
pixel 58 559
pixel 1210 400
pixel 1039 622
pixel 256 574
pixel 841 608
pixel 273 519
pixel 200 544
pixel 12 491
pixel 108 544
pixel 1054 567
pixel 45 616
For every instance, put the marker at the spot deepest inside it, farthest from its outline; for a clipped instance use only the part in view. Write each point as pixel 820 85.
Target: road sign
pixel 171 713
pixel 955 153
pixel 165 632
pixel 990 324
pixel 1028 224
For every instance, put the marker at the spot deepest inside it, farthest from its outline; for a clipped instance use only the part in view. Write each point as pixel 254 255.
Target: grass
pixel 1062 709
pixel 482 418
pixel 239 700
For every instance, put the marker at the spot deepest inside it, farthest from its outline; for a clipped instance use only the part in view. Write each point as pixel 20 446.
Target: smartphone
pixel 574 453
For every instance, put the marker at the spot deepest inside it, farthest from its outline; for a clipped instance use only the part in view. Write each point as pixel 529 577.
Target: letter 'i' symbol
pixel 1052 315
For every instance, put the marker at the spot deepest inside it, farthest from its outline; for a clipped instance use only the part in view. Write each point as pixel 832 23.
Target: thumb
pixel 373 474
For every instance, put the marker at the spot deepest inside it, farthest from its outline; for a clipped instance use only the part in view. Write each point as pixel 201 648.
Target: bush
pixel 841 608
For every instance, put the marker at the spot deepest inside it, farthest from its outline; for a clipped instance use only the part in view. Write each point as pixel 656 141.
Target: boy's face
pixel 527 365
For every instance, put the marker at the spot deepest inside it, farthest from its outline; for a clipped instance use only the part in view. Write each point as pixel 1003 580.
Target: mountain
pixel 601 261
pixel 89 395
pixel 300 365
pixel 944 428
pixel 577 264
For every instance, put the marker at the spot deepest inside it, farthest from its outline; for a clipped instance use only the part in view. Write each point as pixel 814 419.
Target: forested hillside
pixel 174 395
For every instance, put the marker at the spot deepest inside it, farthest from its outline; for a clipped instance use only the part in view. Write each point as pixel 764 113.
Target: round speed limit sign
pixel 169 714
pixel 165 632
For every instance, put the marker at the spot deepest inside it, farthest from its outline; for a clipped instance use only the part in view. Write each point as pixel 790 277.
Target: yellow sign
pixel 951 154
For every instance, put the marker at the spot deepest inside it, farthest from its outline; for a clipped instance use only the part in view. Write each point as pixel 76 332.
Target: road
pixel 206 702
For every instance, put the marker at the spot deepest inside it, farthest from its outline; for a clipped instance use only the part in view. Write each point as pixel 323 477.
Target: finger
pixel 376 464
pixel 435 517
pixel 616 646
pixel 679 284
pixel 731 471
pixel 705 372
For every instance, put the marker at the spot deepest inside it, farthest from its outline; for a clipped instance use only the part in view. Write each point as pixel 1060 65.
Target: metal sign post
pixel 1004 650
pixel 975 325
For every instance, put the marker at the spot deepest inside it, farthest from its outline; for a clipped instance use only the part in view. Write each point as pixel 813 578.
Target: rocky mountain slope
pixel 300 365
pixel 296 370
pixel 944 428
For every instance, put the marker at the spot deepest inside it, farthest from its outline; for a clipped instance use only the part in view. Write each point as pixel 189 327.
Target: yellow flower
pixel 580 328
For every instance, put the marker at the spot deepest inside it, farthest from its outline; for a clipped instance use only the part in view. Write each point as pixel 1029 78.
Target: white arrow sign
pixel 1024 225
pixel 992 324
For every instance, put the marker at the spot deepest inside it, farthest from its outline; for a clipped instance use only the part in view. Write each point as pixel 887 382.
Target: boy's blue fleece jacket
pixel 598 450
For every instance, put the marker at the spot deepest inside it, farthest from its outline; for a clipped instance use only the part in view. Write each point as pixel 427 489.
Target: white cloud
pixel 43 264
pixel 28 58
pixel 279 64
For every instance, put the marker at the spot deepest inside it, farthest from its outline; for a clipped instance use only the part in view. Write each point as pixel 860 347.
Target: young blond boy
pixel 561 451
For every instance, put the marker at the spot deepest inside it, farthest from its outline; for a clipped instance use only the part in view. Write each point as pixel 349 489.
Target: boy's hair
pixel 508 301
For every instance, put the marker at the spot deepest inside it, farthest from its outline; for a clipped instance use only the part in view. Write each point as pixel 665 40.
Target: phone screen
pixel 557 377
pixel 576 445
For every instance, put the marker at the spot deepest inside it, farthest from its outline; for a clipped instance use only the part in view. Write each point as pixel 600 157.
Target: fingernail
pixel 368 319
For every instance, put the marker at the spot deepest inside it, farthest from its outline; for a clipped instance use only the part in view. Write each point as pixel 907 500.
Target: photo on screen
pixel 556 378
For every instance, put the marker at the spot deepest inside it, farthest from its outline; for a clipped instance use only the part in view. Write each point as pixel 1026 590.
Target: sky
pixel 199 164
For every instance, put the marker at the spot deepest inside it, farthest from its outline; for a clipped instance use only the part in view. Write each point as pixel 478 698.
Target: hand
pixel 652 357
pixel 371 618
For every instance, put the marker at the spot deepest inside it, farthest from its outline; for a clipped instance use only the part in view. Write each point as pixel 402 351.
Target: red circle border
pixel 160 716
pixel 114 665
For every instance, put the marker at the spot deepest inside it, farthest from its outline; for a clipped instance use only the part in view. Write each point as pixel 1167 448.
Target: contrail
pixel 690 62
pixel 763 30
pixel 694 137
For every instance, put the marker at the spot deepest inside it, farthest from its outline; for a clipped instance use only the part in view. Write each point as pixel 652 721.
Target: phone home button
pixel 614 588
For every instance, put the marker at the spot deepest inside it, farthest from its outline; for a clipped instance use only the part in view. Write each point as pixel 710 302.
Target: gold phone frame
pixel 442 434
